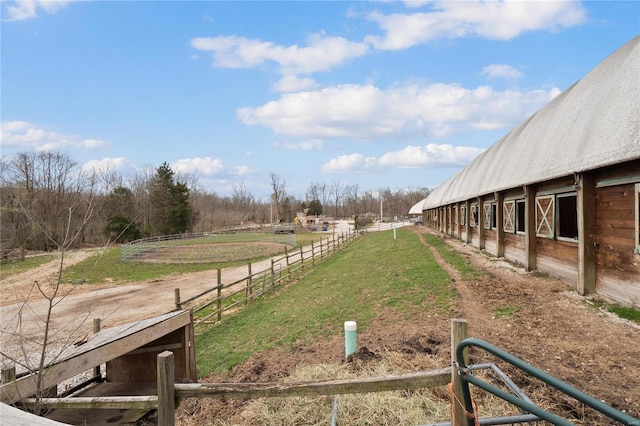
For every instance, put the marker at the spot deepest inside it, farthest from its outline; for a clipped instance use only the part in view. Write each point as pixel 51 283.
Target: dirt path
pixel 112 304
pixel 536 318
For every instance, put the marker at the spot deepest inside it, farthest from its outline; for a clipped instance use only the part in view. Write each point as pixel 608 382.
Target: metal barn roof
pixel 417 207
pixel 593 124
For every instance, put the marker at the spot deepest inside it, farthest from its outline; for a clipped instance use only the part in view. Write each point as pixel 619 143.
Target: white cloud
pixel 502 70
pixel 22 10
pixel 499 20
pixel 28 136
pixel 431 155
pixel 320 54
pixel 350 162
pixel 119 164
pixel 443 155
pixel 202 165
pixel 310 145
pixel 292 83
pixel 367 112
pixel 241 170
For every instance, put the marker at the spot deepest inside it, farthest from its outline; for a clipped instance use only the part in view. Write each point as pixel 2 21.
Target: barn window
pixel 487 222
pixel 508 216
pixel 494 215
pixel 567 211
pixel 520 212
pixel 463 215
pixel 544 216
pixel 474 215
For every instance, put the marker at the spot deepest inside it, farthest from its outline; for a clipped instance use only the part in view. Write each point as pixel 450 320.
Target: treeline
pixel 49 202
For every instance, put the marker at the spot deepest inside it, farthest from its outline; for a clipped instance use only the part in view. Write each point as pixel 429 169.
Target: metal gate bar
pixel 467 377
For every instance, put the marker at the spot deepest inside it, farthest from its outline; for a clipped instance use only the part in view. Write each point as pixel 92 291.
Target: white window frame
pixel 509 216
pixel 543 216
pixel 472 217
pixel 486 223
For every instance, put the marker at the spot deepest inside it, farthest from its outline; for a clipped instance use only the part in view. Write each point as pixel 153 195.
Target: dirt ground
pixel 552 328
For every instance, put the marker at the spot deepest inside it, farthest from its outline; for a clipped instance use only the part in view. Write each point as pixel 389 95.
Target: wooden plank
pixel 499 222
pixel 166 391
pixel 160 348
pixel 530 228
pixel 97 402
pixel 425 379
pixel 586 228
pixel 481 219
pixel 459 332
pixel 467 222
pixel 15 416
pixel 119 342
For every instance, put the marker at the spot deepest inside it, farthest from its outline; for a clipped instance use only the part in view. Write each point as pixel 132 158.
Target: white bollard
pixel 349 338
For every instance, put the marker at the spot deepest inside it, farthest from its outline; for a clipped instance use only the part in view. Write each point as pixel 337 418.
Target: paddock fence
pixel 209 305
pixel 456 377
pixel 198 247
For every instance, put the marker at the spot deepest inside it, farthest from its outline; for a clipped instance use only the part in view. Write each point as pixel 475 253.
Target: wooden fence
pixel 209 305
pixel 170 393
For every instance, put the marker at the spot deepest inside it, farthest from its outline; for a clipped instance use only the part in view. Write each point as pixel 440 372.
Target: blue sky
pixel 375 94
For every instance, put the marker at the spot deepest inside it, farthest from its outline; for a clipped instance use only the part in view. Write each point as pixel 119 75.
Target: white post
pixel 349 338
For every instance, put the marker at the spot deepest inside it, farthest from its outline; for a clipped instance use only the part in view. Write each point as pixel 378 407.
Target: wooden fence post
pixel 273 273
pixel 313 254
pixel 96 329
pixel 166 389
pixel 459 330
pixel 301 259
pixel 286 256
pixel 9 374
pixel 249 294
pixel 219 299
pixel 177 298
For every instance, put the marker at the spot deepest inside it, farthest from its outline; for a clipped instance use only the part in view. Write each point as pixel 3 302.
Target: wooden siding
pixel 617 267
pixel 514 248
pixel 490 242
pixel 559 258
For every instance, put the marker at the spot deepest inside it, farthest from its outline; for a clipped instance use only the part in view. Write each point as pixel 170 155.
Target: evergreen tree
pixel 170 207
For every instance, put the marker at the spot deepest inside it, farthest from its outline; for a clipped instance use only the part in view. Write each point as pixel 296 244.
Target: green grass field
pixel 107 265
pixel 374 274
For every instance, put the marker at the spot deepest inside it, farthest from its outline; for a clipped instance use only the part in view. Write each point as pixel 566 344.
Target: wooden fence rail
pixel 258 283
pixel 170 393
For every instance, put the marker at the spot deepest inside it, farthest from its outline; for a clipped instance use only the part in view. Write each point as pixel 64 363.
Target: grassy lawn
pixel 107 265
pixel 374 274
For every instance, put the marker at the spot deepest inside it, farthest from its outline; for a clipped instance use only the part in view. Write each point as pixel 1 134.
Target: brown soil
pixel 553 329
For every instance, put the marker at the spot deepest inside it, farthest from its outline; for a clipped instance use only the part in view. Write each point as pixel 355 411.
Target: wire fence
pixel 198 247
pixel 209 305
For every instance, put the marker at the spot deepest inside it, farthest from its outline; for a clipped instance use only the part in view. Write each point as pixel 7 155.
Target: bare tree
pixel 42 185
pixel 351 194
pixel 278 194
pixel 337 193
pixel 29 337
pixel 243 202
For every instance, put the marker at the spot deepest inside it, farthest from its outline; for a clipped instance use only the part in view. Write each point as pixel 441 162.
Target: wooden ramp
pixel 129 352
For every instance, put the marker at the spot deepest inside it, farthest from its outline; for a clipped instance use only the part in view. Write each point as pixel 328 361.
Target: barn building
pixel 560 193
